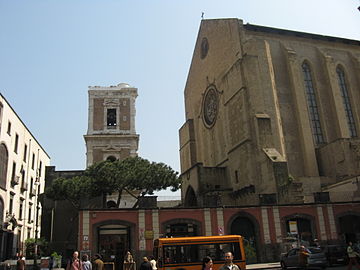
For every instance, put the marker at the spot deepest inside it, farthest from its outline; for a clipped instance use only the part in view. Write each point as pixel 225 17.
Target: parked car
pixel 335 254
pixel 316 259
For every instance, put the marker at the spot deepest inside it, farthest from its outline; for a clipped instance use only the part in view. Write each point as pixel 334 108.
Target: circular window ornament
pixel 210 106
pixel 204 48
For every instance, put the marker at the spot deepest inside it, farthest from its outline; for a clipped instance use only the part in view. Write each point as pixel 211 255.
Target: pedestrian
pixel 352 256
pixel 229 265
pixel 145 265
pixel 303 257
pixel 152 262
pixel 74 263
pixel 207 263
pixel 128 261
pixel 86 264
pixel 98 263
pixel 20 264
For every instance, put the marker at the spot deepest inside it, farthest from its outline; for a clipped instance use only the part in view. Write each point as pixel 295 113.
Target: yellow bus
pixel 188 252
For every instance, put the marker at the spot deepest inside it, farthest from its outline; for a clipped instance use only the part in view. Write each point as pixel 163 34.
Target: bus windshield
pixel 190 253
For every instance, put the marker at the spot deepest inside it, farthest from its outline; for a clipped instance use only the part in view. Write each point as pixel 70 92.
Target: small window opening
pixel 111 117
pixel 111 158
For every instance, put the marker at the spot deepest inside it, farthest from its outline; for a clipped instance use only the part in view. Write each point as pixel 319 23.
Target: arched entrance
pixel 300 229
pixel 190 197
pixel 247 226
pixel 349 225
pixel 181 228
pixel 113 239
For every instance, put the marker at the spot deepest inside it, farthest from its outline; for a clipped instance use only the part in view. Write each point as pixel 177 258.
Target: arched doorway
pixel 113 239
pixel 349 225
pixel 181 228
pixel 300 229
pixel 190 197
pixel 247 227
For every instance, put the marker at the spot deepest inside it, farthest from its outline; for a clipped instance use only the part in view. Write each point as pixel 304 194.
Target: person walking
pixel 229 265
pixel 20 263
pixel 145 265
pixel 74 263
pixel 128 261
pixel 303 257
pixel 86 264
pixel 352 256
pixel 98 263
pixel 207 263
pixel 152 262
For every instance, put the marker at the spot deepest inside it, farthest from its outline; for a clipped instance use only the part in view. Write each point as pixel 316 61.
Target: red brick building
pixel 112 232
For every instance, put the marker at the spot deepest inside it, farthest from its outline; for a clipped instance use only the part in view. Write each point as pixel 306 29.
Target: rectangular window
pixel 29 232
pixel 16 143
pixel 185 253
pixel 11 204
pixel 25 152
pixel 13 174
pixel 21 209
pixel 31 186
pixel 9 128
pixel 29 214
pixel 236 177
pixel 40 168
pixel 111 117
pixel 33 161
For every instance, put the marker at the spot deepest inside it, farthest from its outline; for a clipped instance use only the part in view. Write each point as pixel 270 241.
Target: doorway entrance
pixel 246 228
pixel 350 228
pixel 113 243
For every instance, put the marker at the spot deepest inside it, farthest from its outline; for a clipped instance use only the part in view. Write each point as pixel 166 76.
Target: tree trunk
pixel 119 198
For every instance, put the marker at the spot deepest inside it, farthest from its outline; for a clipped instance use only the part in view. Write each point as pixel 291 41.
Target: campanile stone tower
pixel 111 126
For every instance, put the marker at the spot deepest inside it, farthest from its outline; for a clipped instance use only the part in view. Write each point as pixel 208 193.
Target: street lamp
pixel 37 184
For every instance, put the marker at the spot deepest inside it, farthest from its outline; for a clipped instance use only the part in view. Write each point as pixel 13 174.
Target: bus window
pixel 194 253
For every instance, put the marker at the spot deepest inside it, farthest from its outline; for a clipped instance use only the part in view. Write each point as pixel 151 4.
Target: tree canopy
pixel 135 176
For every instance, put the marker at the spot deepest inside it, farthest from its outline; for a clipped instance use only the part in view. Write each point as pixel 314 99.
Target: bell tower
pixel 111 131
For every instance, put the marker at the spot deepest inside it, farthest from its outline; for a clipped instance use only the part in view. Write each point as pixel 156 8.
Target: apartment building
pixel 22 179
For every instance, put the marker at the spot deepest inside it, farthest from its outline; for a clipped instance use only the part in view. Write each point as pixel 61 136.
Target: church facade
pixel 272 117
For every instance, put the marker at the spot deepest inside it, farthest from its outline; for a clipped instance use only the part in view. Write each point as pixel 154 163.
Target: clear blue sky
pixel 52 50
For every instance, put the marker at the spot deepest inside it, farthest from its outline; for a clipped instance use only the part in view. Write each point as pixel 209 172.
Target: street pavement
pixel 276 266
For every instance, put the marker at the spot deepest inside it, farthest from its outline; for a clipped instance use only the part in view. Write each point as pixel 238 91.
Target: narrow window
pixel 236 177
pixel 11 204
pixel 25 152
pixel 346 102
pixel 21 209
pixel 40 168
pixel 9 128
pixel 33 161
pixel 29 214
pixel 111 117
pixel 4 157
pixel 13 173
pixel 312 105
pixel 16 143
pixel 23 183
pixel 28 232
pixel 32 193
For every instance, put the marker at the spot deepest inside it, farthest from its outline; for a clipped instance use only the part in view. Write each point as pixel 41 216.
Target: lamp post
pixel 37 184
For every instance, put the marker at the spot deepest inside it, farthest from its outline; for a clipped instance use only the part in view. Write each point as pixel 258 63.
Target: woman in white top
pixel 152 262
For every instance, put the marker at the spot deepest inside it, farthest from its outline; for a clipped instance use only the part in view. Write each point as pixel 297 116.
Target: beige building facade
pixel 272 116
pixel 111 131
pixel 22 170
pixel 111 126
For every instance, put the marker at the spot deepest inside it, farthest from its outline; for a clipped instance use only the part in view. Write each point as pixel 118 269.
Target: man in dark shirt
pixel 145 265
